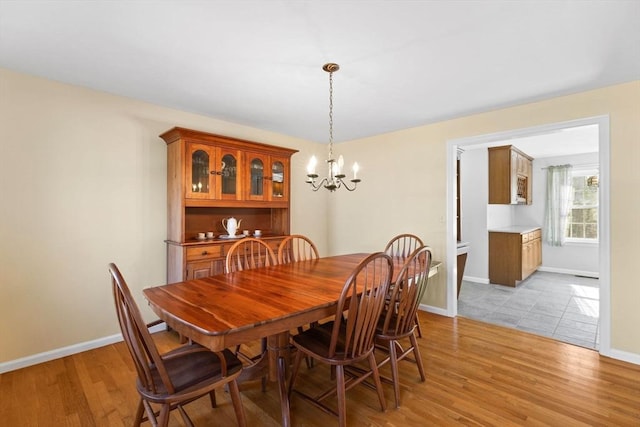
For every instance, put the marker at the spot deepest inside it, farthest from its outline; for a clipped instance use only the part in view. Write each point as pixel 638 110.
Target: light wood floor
pixel 477 374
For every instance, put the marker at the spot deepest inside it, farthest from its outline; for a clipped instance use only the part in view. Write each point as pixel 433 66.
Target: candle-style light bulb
pixel 356 168
pixel 340 163
pixel 311 167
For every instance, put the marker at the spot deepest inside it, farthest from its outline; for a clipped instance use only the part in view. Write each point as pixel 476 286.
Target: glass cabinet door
pixel 277 179
pixel 256 171
pixel 200 171
pixel 229 174
pixel 256 168
pixel 200 182
pixel 279 191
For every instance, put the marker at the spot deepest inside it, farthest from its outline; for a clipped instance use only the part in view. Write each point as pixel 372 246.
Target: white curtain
pixel 559 199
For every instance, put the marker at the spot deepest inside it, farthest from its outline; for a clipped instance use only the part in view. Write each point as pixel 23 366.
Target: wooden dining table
pixel 227 310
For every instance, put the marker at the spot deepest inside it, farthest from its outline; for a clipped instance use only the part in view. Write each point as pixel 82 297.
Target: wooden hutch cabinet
pixel 212 177
pixel 510 176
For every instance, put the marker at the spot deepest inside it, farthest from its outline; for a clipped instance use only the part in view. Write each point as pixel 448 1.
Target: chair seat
pixel 317 340
pixel 190 366
pixel 389 334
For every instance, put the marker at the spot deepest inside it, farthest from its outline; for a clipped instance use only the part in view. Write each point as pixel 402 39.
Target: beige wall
pixel 404 188
pixel 82 182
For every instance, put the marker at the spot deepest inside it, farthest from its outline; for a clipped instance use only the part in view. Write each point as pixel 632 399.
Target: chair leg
pixel 212 398
pixel 342 398
pixel 164 415
pixel 294 371
pixel 376 379
pixel 393 358
pixel 139 414
pixel 263 349
pixel 418 326
pixel 185 417
pixel 151 415
pixel 237 403
pixel 416 355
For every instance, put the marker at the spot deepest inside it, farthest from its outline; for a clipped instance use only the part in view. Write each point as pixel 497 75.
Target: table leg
pixel 284 396
pixel 278 346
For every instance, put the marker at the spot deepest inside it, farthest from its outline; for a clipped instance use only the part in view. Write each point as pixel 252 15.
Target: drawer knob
pixel 205 253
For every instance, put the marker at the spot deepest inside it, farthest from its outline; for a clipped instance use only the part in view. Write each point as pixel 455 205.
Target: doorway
pixel 602 124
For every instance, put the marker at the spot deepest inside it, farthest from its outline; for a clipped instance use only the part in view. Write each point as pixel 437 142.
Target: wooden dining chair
pixel 177 377
pixel 348 339
pixel 247 254
pixel 401 246
pixel 296 248
pixel 397 322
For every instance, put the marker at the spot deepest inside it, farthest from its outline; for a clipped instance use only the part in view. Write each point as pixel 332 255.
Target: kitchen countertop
pixel 515 229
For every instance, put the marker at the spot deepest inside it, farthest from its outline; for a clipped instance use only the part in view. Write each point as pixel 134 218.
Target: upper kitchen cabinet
pixel 510 176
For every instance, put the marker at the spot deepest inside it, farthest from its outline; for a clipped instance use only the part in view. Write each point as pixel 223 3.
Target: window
pixel 582 224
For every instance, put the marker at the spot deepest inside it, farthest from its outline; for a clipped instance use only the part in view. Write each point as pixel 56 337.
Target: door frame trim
pixel 604 211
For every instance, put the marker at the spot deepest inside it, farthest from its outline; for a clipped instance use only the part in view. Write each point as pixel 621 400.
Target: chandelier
pixel 335 176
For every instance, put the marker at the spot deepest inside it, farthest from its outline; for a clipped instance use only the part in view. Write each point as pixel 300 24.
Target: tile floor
pixel 561 306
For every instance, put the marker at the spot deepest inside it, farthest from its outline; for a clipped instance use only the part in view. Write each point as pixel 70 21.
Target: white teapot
pixel 231 225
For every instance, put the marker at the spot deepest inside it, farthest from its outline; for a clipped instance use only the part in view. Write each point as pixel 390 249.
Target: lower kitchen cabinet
pixel 514 254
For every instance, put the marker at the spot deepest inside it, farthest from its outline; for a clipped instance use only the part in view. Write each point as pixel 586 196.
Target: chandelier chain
pixel 331 114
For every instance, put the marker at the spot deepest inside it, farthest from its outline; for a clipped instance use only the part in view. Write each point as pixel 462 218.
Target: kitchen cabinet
pixel 211 177
pixel 514 254
pixel 510 176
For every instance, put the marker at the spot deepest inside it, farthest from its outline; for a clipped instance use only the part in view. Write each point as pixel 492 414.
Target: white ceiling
pixel 562 142
pixel 258 63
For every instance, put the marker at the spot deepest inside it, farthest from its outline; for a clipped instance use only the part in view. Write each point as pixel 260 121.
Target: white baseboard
pixel 593 274
pixel 625 356
pixel 23 362
pixel 483 280
pixel 434 310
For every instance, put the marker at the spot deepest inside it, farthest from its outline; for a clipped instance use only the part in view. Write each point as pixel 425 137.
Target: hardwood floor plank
pixel 477 375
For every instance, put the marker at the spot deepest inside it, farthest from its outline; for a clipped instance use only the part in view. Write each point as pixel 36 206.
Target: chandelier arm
pixel 355 184
pixel 312 181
